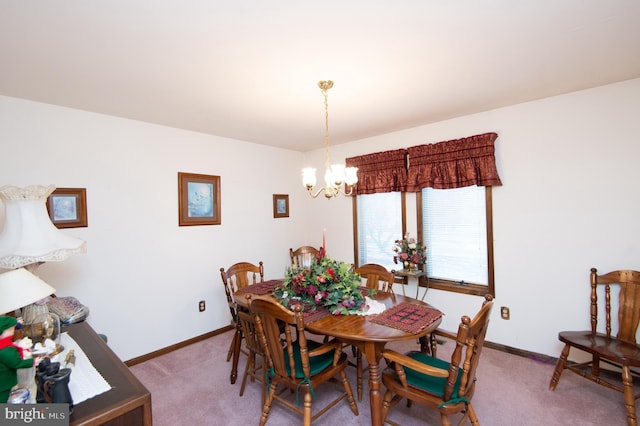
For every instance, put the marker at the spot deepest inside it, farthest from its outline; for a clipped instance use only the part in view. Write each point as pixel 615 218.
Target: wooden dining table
pixel 369 336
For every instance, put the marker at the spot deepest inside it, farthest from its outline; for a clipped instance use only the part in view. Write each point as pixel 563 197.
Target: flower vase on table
pixel 409 253
pixel 326 283
pixel 412 268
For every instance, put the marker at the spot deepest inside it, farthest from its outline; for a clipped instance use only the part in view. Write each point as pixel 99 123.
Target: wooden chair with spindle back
pixel 237 276
pixel 444 385
pixel 605 344
pixel 296 363
pixel 303 256
pixel 377 277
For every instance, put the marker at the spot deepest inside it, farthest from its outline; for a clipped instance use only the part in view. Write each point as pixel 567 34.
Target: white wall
pixel 143 275
pixel 569 202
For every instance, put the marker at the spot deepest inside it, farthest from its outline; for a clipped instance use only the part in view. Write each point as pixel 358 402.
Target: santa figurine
pixel 11 357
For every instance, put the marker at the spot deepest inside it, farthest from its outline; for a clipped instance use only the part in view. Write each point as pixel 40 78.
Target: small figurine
pixel 11 357
pixel 70 359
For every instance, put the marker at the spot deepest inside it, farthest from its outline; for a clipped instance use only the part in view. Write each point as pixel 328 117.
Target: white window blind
pixel 379 225
pixel 455 233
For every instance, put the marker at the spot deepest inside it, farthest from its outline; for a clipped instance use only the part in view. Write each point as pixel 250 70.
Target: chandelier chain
pixel 325 86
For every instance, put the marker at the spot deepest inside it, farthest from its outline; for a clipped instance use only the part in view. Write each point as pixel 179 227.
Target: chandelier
pixel 335 175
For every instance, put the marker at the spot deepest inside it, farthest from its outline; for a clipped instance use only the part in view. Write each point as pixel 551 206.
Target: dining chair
pixel 296 363
pixel 444 385
pixel 303 256
pixel 378 278
pixel 252 342
pixel 611 344
pixel 237 276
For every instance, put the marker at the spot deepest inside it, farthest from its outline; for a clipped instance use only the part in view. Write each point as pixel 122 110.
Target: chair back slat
pixel 628 302
pixel 229 295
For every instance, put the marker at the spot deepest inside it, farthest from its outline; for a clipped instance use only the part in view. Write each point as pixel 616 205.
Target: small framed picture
pixel 280 205
pixel 198 199
pixel 67 207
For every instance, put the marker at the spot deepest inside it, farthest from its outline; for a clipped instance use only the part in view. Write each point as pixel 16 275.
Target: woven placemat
pixel 408 317
pixel 265 287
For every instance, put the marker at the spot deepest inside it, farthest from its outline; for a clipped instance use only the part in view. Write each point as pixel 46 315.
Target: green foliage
pixel 326 282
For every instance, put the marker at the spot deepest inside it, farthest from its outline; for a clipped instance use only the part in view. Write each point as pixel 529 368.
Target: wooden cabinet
pixel 127 403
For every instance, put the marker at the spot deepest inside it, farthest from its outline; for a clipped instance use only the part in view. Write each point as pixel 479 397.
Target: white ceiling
pixel 249 69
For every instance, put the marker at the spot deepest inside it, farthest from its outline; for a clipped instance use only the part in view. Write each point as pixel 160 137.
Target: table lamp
pixel 28 239
pixel 19 289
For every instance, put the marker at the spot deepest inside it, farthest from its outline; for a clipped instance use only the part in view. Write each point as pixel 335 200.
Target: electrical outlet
pixel 201 306
pixel 504 313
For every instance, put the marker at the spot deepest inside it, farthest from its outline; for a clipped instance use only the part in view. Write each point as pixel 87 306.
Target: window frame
pixel 457 286
pixel 438 283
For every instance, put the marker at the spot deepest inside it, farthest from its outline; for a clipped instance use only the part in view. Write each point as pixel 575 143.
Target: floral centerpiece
pixel 326 282
pixel 408 253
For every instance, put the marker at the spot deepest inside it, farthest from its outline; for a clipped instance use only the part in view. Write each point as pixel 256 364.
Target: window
pixel 452 183
pixel 456 228
pixel 379 222
pixel 454 224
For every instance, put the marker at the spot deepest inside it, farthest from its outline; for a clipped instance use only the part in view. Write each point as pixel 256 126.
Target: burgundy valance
pixel 380 172
pixel 453 164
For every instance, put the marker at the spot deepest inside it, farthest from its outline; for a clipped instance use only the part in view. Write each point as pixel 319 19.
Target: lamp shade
pixel 19 288
pixel 28 235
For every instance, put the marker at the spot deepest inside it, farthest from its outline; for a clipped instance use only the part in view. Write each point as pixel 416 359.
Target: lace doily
pixel 374 307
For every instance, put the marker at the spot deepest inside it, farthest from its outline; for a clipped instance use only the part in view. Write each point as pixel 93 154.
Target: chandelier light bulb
pixel 351 176
pixel 309 177
pixel 337 174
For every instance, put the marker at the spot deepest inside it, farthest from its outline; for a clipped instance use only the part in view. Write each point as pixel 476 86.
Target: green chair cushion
pixel 316 363
pixel 434 385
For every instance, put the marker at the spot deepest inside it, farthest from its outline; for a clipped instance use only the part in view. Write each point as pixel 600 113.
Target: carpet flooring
pixel 190 386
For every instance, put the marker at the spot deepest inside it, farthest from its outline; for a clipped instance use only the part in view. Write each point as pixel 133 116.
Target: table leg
pixel 426 344
pixel 237 340
pixel 373 352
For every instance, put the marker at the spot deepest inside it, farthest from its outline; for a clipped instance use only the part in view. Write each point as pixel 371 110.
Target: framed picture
pixel 67 207
pixel 198 199
pixel 280 205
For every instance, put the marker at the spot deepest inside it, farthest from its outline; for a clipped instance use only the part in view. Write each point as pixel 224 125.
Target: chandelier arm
pixel 331 191
pixel 320 191
pixel 346 193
